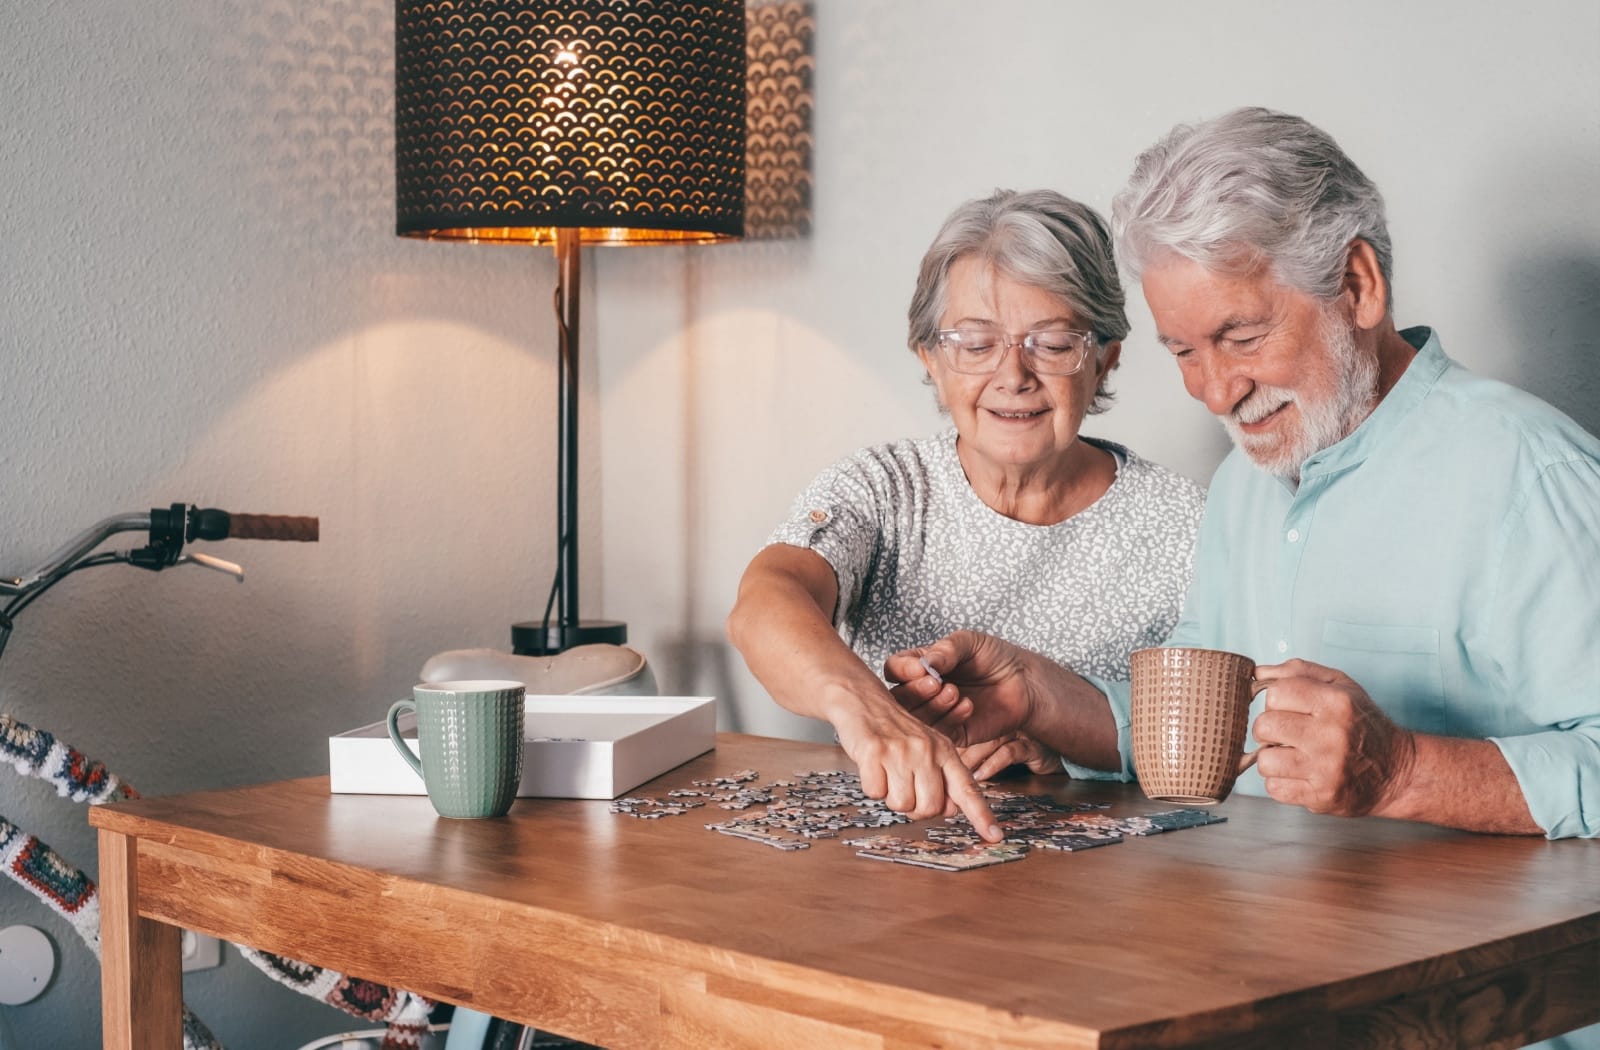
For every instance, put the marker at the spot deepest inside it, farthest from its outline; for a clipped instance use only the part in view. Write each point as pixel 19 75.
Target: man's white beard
pixel 1321 423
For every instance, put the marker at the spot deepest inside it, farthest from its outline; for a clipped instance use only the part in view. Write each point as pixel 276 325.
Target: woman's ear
pixel 1365 284
pixel 1107 358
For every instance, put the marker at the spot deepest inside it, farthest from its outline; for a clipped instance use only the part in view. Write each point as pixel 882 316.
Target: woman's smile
pixel 1018 415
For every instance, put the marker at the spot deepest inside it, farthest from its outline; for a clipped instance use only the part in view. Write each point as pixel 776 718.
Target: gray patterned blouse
pixel 918 555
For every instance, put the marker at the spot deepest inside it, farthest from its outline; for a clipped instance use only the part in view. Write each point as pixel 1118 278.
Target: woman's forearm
pixel 782 626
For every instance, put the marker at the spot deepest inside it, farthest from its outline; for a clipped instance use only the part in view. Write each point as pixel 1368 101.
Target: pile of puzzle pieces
pixel 822 805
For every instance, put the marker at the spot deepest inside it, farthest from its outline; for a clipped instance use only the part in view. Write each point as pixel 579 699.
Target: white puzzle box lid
pixel 574 746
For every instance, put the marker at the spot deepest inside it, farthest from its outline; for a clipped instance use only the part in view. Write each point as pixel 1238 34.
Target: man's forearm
pixel 1460 784
pixel 1071 716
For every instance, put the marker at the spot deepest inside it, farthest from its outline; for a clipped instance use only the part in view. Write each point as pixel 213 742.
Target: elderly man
pixel 1409 551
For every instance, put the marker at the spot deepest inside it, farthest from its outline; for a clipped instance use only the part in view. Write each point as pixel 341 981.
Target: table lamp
pixel 569 123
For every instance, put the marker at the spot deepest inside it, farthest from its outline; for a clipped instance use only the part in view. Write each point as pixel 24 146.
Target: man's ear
pixel 1365 284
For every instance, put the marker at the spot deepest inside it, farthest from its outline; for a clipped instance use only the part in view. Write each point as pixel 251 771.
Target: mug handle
pixel 394 734
pixel 1248 759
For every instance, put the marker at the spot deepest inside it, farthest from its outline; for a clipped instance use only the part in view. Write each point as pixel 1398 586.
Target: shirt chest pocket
pixel 1398 666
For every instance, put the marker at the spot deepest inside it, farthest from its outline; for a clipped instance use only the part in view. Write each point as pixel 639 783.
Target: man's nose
pixel 1223 383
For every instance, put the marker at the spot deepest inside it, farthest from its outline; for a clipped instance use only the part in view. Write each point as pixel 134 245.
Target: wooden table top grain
pixel 1278 927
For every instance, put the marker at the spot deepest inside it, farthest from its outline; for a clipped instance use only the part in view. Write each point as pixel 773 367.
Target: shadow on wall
pixel 1554 303
pixel 698 665
pixel 779 111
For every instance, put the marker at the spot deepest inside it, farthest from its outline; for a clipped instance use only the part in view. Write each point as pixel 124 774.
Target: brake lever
pixel 209 562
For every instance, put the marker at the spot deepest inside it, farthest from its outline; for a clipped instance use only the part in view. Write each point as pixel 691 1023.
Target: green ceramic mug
pixel 470 736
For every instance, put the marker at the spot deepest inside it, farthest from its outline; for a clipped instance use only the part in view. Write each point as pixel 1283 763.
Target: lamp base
pixel 535 639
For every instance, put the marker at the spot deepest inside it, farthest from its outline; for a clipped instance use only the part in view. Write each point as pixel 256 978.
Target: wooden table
pixel 1275 929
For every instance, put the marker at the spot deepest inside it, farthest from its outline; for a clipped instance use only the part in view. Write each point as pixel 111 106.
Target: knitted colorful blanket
pixel 68 892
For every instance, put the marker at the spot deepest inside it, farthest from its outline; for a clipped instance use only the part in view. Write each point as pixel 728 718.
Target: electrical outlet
pixel 200 952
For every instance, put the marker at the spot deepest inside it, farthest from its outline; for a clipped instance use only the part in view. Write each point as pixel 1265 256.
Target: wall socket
pixel 200 952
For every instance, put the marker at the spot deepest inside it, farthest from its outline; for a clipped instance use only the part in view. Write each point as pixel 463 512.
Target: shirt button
pixel 1293 536
pixel 1283 646
pixel 819 516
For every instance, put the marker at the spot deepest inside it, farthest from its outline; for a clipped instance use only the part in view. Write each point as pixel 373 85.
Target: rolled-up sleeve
pixel 1546 617
pixel 829 519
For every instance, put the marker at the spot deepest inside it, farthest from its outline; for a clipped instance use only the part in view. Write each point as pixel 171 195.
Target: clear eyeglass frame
pixel 1051 352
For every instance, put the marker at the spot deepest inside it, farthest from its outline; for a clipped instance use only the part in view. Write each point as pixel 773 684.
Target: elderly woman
pixel 1011 522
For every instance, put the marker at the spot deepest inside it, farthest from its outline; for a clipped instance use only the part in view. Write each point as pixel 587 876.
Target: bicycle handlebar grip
pixel 272 527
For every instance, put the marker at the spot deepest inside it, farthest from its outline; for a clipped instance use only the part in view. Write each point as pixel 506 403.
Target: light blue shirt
pixel 1445 556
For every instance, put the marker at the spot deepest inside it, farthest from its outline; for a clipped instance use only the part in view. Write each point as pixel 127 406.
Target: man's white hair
pixel 1251 187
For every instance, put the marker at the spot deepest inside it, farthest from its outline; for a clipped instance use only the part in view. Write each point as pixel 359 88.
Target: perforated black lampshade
pixel 624 119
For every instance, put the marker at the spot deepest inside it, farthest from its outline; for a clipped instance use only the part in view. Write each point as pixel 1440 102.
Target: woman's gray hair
pixel 1038 238
pixel 1248 187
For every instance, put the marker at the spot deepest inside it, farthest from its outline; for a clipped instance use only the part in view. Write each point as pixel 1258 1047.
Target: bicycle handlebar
pixel 74 549
pixel 169 529
pixel 221 525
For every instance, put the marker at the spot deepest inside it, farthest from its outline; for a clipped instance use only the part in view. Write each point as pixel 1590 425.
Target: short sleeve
pixel 835 517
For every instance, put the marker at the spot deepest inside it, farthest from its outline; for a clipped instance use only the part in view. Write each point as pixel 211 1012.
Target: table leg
pixel 141 975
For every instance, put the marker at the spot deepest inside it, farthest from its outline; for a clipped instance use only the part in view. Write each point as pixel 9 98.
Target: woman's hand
pixel 913 768
pixel 948 712
pixel 781 623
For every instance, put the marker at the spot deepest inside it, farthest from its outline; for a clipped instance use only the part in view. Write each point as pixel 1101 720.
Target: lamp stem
pixel 568 289
pixel 545 639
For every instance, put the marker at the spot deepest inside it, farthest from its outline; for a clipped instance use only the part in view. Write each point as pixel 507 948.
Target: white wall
pixel 203 300
pixel 1480 121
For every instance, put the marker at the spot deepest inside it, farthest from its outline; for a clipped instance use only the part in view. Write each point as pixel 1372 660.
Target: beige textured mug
pixel 1191 713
